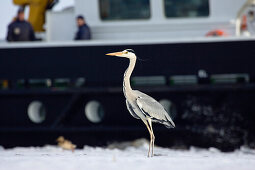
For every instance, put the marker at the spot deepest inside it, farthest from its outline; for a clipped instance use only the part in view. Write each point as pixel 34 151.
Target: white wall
pixel 60 25
pixel 225 9
pixel 222 16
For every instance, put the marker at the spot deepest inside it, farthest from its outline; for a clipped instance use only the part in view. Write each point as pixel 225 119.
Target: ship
pixel 195 57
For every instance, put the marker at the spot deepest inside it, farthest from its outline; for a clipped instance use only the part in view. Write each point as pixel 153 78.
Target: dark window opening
pixel 186 8
pixel 124 9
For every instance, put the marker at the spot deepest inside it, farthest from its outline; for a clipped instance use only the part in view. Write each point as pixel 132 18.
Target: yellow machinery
pixel 36 13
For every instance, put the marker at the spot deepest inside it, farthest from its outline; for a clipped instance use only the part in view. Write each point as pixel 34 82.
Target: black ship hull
pixel 210 86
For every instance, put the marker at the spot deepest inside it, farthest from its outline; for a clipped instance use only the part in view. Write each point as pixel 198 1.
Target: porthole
pixel 94 111
pixel 36 112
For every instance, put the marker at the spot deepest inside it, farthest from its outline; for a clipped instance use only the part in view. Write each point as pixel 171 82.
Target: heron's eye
pixel 125 52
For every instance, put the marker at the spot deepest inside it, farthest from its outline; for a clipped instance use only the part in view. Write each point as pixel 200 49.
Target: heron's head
pixel 128 53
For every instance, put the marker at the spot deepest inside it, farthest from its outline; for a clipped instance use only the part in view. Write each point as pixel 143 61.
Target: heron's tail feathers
pixel 169 124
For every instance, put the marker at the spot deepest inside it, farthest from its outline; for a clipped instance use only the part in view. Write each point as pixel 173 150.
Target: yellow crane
pixel 37 9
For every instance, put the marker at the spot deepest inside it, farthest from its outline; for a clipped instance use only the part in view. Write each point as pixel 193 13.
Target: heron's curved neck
pixel 126 82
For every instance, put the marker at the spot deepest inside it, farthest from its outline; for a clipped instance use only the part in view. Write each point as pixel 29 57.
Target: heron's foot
pixel 150 155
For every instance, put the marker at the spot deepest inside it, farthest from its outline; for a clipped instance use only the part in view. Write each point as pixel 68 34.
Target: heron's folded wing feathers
pixel 131 110
pixel 151 108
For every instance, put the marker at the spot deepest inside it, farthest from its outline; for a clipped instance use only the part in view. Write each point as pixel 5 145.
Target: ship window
pixel 186 8
pixel 124 9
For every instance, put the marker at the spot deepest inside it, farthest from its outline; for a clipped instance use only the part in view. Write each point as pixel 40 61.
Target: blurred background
pixel 196 59
pixel 9 11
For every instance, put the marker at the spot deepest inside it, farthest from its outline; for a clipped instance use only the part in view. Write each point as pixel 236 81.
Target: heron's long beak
pixel 119 54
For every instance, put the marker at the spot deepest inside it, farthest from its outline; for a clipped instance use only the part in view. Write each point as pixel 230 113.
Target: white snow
pixel 130 158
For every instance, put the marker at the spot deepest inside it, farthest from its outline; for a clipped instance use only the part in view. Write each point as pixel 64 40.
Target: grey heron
pixel 140 105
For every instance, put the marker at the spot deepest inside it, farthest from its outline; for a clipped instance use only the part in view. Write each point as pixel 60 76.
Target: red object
pixel 244 23
pixel 216 33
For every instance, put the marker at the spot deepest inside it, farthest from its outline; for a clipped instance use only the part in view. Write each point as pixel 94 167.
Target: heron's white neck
pixel 126 82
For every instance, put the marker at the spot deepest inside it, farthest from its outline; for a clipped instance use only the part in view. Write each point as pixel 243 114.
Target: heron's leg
pixel 152 136
pixel 147 125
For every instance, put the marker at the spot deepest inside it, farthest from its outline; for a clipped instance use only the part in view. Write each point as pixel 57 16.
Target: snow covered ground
pixel 130 158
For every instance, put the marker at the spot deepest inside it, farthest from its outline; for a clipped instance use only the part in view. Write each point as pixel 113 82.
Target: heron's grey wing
pixel 153 109
pixel 131 110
